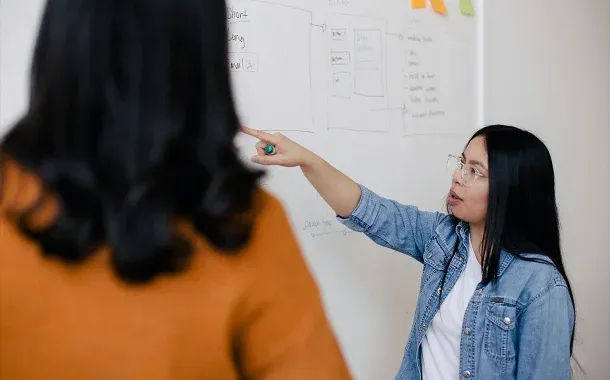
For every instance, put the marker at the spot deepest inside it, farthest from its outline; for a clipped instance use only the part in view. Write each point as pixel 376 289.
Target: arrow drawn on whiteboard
pixel 400 36
pixel 342 232
pixel 402 108
pixel 323 26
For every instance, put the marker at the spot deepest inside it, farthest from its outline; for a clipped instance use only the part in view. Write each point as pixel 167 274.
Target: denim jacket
pixel 516 327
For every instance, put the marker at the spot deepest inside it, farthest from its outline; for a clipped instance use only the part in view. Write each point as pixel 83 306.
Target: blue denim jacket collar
pixel 463 230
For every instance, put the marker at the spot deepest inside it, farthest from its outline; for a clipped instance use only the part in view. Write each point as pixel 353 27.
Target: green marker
pixel 269 149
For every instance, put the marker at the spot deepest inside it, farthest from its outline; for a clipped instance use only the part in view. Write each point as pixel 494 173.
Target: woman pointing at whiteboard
pixel 495 301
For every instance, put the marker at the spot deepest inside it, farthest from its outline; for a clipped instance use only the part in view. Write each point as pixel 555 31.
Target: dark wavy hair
pixel 131 125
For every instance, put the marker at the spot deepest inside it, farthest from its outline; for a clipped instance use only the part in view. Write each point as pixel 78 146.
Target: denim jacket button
pixel 507 321
pixel 467 331
pixel 466 374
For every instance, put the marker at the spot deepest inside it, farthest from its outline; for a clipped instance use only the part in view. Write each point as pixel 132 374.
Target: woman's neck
pixel 476 239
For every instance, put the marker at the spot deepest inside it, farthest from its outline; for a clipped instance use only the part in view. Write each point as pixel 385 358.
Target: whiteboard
pixel 381 91
pixel 384 93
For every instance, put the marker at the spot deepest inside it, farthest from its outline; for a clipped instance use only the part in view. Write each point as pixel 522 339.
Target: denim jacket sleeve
pixel 388 223
pixel 545 335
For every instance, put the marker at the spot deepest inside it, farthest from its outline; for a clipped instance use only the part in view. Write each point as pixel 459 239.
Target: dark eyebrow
pixel 473 162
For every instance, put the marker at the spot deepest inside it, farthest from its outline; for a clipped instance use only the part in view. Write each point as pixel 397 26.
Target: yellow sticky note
pixel 439 6
pixel 417 4
pixel 466 7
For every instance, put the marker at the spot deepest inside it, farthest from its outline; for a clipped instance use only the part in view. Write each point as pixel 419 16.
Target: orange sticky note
pixel 418 4
pixel 439 6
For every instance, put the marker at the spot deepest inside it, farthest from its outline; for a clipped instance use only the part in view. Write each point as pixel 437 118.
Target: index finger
pixel 264 136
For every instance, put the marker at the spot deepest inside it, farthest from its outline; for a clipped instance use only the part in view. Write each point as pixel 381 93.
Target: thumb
pixel 267 160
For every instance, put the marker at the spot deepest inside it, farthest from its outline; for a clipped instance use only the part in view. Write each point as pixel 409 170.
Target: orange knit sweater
pixel 254 315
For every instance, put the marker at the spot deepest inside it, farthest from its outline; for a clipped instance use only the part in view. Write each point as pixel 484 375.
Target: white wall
pixel 18 28
pixel 547 69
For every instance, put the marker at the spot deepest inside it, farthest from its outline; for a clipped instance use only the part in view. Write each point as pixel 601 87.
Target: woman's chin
pixel 457 211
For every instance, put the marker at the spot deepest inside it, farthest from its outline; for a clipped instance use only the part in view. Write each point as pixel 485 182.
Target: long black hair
pixel 522 213
pixel 131 125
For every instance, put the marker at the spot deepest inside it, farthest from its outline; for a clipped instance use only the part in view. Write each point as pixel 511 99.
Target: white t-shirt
pixel 441 345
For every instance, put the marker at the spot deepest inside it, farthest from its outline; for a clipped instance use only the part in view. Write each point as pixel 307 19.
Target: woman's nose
pixel 457 177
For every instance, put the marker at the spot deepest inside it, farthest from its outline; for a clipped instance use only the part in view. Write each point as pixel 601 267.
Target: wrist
pixel 308 160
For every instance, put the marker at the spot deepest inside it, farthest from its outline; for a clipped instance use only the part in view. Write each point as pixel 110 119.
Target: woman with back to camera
pixel 495 301
pixel 134 244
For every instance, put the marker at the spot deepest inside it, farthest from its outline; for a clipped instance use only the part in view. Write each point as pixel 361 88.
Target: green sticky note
pixel 466 7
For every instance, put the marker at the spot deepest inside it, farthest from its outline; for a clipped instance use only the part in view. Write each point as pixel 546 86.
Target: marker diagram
pixel 423 93
pixel 295 71
pixel 356 75
pixel 267 40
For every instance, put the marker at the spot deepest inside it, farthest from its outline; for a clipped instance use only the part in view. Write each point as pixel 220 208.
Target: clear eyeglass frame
pixel 468 173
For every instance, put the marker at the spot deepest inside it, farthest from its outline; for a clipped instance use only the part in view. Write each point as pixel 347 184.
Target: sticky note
pixel 418 4
pixel 439 6
pixel 466 7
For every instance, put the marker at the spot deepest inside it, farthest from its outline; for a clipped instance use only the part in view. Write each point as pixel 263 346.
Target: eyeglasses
pixel 468 173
